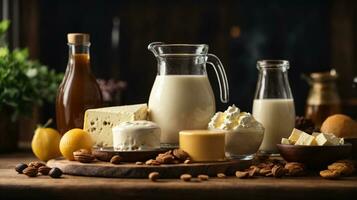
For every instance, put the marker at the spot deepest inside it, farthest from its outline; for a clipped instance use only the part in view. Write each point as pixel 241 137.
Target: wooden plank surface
pixel 14 186
pixel 131 170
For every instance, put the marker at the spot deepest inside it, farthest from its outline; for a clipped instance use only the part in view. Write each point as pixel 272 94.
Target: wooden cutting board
pixel 131 170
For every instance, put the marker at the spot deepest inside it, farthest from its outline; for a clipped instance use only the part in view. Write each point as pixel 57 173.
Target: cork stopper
pixel 78 38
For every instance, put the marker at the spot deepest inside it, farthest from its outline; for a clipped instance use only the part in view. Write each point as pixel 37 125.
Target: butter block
pixel 203 145
pixel 306 139
pixel 295 135
pixel 321 139
pixel 100 121
pixel 333 140
pixel 285 141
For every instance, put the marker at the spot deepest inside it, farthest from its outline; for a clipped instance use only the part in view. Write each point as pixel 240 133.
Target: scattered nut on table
pixel 116 160
pixel 83 156
pixel 242 174
pixel 20 167
pixel 36 164
pixel 221 175
pixel 44 170
pixel 186 177
pixel 330 174
pixel 30 171
pixel 153 176
pixel 203 177
pixel 55 172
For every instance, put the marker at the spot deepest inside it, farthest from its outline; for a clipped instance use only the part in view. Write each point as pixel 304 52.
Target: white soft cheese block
pixel 99 122
pixel 306 139
pixel 295 135
pixel 136 135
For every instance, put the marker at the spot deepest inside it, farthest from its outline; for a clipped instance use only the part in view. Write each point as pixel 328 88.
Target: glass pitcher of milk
pixel 273 104
pixel 181 97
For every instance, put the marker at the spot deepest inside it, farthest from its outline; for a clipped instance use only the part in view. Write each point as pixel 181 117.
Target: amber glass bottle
pixel 79 90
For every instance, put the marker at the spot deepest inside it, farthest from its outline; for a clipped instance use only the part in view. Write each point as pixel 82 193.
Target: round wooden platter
pixel 131 170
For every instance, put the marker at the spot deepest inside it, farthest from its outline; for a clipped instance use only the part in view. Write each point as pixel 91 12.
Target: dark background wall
pixel 313 35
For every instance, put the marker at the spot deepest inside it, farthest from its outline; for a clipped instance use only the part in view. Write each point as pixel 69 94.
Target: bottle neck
pixel 273 83
pixel 75 49
pixel 79 56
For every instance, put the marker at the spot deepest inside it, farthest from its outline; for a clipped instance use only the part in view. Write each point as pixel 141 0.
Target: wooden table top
pixel 15 186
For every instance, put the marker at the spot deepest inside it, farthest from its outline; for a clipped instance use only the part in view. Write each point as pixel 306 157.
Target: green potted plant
pixel 24 83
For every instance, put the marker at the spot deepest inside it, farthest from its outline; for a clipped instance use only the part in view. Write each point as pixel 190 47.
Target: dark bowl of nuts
pixel 353 141
pixel 314 157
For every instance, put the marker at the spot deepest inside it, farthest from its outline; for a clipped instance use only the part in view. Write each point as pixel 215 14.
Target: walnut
pixel 36 164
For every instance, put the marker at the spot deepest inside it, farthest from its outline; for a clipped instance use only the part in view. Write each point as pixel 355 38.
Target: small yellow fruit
pixel 45 143
pixel 74 140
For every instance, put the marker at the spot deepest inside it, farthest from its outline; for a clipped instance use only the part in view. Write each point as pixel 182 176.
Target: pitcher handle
pixel 221 76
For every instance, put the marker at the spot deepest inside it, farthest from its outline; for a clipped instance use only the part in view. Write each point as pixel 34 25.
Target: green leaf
pixel 24 83
pixel 4 51
pixel 4 25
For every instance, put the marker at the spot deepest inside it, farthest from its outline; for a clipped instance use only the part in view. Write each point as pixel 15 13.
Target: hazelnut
pixel 153 176
pixel 203 177
pixel 116 159
pixel 186 177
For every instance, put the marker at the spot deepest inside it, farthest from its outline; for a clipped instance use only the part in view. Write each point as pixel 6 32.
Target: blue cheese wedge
pixel 99 122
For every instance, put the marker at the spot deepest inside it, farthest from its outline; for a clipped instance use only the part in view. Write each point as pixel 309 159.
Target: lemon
pixel 74 140
pixel 45 143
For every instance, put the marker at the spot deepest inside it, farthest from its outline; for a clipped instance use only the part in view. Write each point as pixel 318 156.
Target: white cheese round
pixel 136 135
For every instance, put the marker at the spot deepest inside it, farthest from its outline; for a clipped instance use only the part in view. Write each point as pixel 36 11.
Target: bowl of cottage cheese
pixel 244 134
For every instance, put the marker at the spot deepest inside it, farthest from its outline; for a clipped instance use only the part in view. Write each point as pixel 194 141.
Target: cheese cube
pixel 322 140
pixel 285 141
pixel 99 122
pixel 332 139
pixel 306 139
pixel 295 135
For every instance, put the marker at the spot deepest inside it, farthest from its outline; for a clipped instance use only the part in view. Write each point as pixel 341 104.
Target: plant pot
pixel 9 133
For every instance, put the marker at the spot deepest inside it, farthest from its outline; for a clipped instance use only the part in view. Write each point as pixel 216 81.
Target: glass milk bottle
pixel 181 97
pixel 273 104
